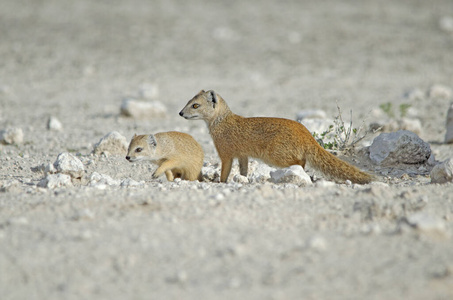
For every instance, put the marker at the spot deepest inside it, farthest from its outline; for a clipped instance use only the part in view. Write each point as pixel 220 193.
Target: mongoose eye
pixel 138 150
pixel 196 105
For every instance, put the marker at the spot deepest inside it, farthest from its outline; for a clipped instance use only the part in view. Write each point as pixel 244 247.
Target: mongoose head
pixel 142 147
pixel 201 107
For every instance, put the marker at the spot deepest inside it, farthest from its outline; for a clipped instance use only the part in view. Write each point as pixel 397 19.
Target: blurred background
pixel 80 58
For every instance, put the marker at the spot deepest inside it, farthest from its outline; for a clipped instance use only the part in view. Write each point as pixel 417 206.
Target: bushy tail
pixel 335 168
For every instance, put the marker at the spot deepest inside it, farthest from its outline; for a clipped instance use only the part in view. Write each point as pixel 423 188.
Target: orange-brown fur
pixel 276 141
pixel 177 154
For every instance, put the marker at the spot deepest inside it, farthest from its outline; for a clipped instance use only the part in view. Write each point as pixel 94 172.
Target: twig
pixel 344 143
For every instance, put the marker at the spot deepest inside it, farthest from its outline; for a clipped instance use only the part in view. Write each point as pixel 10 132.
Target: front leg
pixel 164 167
pixel 243 165
pixel 169 175
pixel 226 168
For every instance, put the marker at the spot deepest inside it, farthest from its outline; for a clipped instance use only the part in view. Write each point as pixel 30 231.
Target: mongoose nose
pixel 128 157
pixel 181 113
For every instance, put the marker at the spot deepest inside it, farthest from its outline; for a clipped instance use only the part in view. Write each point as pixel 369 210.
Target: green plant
pixel 404 109
pixel 322 138
pixel 340 137
pixel 347 138
pixel 387 108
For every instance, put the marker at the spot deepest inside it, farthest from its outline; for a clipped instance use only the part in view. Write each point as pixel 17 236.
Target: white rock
pixel 440 91
pixel 49 169
pixel 311 114
pixel 399 147
pixel 67 163
pixel 317 125
pixel 293 174
pixel 240 179
pixel 260 173
pixel 83 214
pixel 377 113
pixel 54 124
pixel 449 134
pixel 317 243
pixel 52 181
pixel 442 172
pixel 223 33
pixel 324 183
pixel 142 109
pixel 210 173
pixel 149 91
pixel 218 196
pixel 414 125
pixel 97 179
pixel 112 143
pixel 414 94
pixel 446 24
pixel 17 221
pixel 128 182
pixel 392 125
pixel 294 37
pixel 11 136
pixel 427 224
pixel 9 186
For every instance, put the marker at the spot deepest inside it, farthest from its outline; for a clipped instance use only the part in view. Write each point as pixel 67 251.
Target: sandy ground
pixel 76 60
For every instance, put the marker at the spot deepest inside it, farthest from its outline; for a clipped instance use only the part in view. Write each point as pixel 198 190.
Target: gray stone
pixel 399 147
pixel 449 133
pixel 443 172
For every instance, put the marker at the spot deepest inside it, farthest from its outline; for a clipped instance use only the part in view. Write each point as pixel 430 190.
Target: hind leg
pixel 166 168
pixel 243 165
pixel 302 163
pixel 192 174
pixel 177 174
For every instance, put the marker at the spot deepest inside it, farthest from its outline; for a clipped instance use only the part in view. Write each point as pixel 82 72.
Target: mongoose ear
pixel 152 140
pixel 201 92
pixel 135 135
pixel 212 97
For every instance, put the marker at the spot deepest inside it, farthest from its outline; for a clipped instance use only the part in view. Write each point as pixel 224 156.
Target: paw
pixel 154 176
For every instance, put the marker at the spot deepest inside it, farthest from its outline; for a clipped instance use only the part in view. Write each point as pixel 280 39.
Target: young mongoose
pixel 275 141
pixel 177 154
